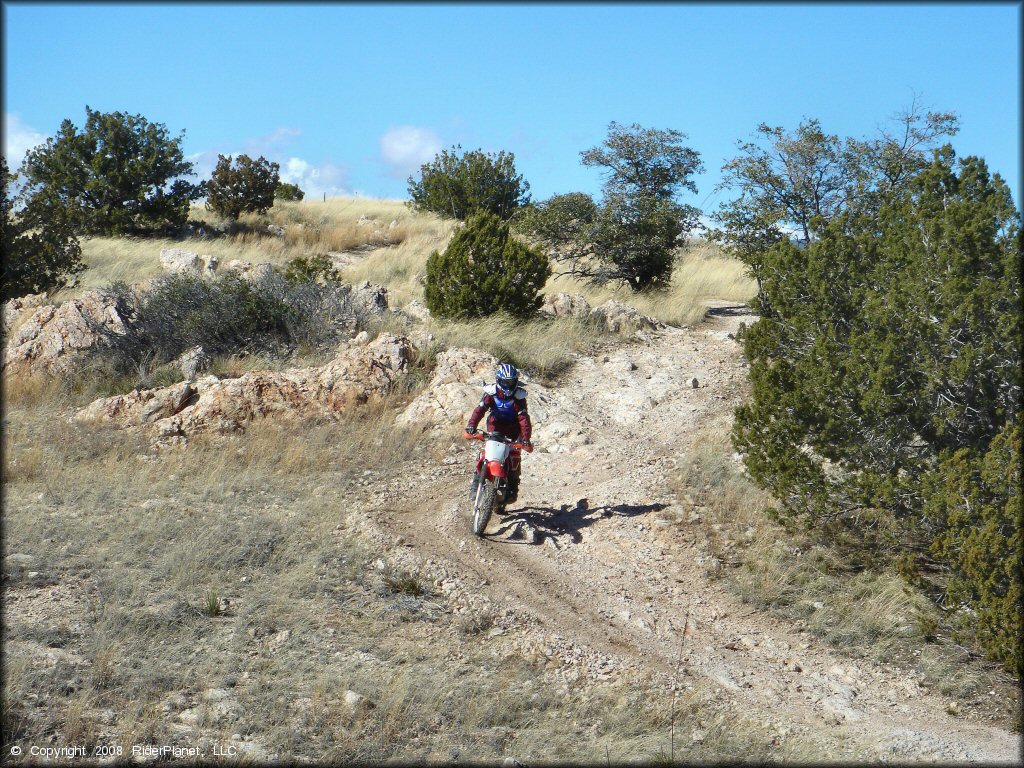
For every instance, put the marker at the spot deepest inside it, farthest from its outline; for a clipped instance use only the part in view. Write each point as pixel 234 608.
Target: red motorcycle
pixel 499 457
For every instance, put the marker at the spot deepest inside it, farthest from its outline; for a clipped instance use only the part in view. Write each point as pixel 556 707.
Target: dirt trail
pixel 588 574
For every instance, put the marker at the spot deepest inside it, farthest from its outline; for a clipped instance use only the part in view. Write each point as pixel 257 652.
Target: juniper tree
pixel 242 185
pixel 286 191
pixel 484 270
pixel 456 185
pixel 39 254
pixel 121 174
pixel 632 234
pixel 892 349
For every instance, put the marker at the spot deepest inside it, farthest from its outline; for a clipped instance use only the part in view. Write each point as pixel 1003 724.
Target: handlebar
pixel 483 435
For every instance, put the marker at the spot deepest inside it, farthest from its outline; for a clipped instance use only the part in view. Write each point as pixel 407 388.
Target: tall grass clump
pixel 542 347
pixel 702 273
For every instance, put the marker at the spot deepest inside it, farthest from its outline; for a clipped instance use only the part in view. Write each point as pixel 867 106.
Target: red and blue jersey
pixel 507 415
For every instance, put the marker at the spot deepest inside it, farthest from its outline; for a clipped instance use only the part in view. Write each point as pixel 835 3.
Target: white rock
pixel 566 305
pixel 180 260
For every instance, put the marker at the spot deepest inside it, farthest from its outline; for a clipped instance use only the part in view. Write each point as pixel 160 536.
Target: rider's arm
pixel 479 411
pixel 524 419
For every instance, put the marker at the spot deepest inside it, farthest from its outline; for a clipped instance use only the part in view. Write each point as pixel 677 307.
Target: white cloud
pixel 316 180
pixel 204 163
pixel 19 139
pixel 265 145
pixel 406 148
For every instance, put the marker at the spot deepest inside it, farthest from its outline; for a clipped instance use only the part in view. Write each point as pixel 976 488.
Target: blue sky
pixel 352 98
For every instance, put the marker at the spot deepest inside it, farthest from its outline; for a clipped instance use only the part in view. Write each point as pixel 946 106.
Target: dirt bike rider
pixel 506 401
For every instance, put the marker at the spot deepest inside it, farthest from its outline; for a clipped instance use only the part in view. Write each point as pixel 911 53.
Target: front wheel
pixel 482 506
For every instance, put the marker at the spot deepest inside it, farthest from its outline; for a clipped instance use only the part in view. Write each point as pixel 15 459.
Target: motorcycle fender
pixel 495 469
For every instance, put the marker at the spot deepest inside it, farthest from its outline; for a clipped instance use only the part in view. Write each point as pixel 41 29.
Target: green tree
pixel 885 348
pixel 457 185
pixel 975 500
pixel 644 162
pixel 631 236
pixel 120 175
pixel 39 255
pixel 485 270
pixel 790 182
pixel 242 185
pixel 286 191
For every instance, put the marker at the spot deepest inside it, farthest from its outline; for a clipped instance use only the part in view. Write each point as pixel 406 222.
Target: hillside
pixel 310 589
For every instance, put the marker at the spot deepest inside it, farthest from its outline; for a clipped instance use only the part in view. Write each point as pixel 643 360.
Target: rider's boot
pixel 513 487
pixel 473 486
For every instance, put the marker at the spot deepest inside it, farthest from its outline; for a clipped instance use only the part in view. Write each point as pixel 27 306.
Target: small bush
pixel 311 269
pixel 483 271
pixel 457 186
pixel 403 583
pixel 212 606
pixel 225 316
pixel 244 186
pixel 286 191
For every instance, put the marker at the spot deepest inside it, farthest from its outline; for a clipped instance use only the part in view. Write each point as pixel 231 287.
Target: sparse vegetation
pixel 229 582
pixel 309 615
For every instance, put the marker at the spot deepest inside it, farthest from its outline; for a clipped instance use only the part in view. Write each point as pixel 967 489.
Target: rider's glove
pixel 469 431
pixel 528 446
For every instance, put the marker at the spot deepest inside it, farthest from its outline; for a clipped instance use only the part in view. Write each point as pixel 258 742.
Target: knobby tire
pixel 482 506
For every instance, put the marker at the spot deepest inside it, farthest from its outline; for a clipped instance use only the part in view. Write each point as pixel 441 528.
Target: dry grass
pixel 139 549
pixel 807 583
pixel 702 273
pixel 391 244
pixel 542 347
pixel 402 269
pixel 313 227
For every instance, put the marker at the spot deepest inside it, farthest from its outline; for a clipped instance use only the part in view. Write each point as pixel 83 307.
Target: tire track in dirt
pixel 613 573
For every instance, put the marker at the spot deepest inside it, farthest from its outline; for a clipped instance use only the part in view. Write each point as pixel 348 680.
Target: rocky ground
pixel 598 569
pixel 599 575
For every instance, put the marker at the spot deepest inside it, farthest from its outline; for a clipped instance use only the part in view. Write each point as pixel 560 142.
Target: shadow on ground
pixel 531 525
pixel 730 311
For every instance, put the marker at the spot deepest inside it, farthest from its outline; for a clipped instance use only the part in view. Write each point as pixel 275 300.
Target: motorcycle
pixel 490 481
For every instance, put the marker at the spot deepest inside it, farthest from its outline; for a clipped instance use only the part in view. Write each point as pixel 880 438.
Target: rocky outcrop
pixel 417 310
pixel 566 305
pixel 454 388
pixel 209 404
pixel 249 271
pixel 14 310
pixel 178 260
pixel 192 362
pixel 617 317
pixel 52 338
pixel 372 299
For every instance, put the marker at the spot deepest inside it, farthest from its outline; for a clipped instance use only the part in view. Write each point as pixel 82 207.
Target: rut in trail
pixel 590 561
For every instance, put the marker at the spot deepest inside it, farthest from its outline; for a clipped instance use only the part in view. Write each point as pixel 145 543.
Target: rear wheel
pixel 482 506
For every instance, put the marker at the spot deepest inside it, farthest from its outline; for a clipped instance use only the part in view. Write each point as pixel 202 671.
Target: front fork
pixel 494 470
